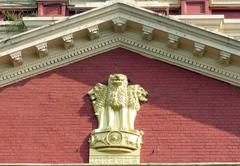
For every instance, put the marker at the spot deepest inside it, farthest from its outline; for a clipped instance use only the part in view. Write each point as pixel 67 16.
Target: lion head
pixel 142 94
pixel 117 80
pixel 117 95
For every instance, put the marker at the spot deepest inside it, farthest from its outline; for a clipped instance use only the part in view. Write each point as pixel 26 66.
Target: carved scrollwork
pixel 225 57
pixel 68 41
pixel 173 41
pixel 16 58
pixel 42 50
pixel 119 24
pixel 93 32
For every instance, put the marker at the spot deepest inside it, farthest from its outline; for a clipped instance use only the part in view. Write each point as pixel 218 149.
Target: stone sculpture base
pixel 115 147
pixel 96 157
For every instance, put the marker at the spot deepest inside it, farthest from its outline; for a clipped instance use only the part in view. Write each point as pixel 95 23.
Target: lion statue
pixel 98 96
pixel 117 104
pixel 135 94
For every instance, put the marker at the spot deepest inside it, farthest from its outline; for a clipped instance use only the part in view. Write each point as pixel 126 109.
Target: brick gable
pixel 188 118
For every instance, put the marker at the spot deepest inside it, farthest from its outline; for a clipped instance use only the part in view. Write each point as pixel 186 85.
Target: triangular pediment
pixel 119 25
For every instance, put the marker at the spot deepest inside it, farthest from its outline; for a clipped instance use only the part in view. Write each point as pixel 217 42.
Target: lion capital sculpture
pixel 116 104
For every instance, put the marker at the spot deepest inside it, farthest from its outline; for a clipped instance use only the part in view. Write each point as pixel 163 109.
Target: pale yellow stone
pixel 16 58
pixel 116 106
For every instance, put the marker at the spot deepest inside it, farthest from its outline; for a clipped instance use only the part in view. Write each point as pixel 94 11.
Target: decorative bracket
pixel 225 57
pixel 173 41
pixel 199 49
pixel 42 50
pixel 147 32
pixel 93 32
pixel 16 58
pixel 68 41
pixel 119 24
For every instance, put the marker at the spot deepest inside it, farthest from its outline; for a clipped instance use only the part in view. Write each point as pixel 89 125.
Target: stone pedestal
pixel 115 147
pixel 96 157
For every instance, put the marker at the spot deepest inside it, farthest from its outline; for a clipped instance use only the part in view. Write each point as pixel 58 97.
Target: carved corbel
pixel 199 49
pixel 42 50
pixel 16 58
pixel 93 32
pixel 173 41
pixel 68 41
pixel 147 32
pixel 119 24
pixel 225 57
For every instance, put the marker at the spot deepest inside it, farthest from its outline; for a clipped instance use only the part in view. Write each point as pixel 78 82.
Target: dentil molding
pixel 111 42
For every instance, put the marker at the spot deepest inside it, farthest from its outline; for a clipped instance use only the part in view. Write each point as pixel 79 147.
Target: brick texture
pixel 188 118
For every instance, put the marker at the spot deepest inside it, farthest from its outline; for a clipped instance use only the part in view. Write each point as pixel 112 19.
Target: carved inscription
pixel 114 160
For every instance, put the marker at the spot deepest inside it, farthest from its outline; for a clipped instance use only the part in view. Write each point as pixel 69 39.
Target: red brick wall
pixel 188 118
pixel 52 11
pixel 52 8
pixel 193 7
pixel 228 13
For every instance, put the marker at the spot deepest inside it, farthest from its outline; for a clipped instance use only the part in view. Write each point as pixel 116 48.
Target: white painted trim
pixel 111 42
pixel 132 14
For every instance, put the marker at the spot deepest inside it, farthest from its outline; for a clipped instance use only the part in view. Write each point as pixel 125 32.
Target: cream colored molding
pixel 42 50
pixel 85 4
pixel 225 3
pixel 93 32
pixel 173 41
pixel 141 3
pixel 123 1
pixel 119 24
pixel 17 4
pixel 225 57
pixel 68 41
pixel 212 22
pixel 16 58
pixel 215 23
pixel 131 13
pixel 35 22
pixel 89 22
pixel 231 27
pixel 158 3
pixel 111 42
pixel 199 49
pixel 147 32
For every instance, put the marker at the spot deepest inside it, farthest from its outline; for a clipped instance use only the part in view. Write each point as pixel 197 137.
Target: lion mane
pixel 117 96
pixel 117 93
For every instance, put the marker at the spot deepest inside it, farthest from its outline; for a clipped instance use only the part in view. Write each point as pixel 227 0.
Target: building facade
pixel 187 62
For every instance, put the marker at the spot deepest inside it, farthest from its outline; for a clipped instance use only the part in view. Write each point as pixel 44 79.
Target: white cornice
pixel 136 14
pixel 148 4
pixel 225 3
pixel 154 48
pixel 111 42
